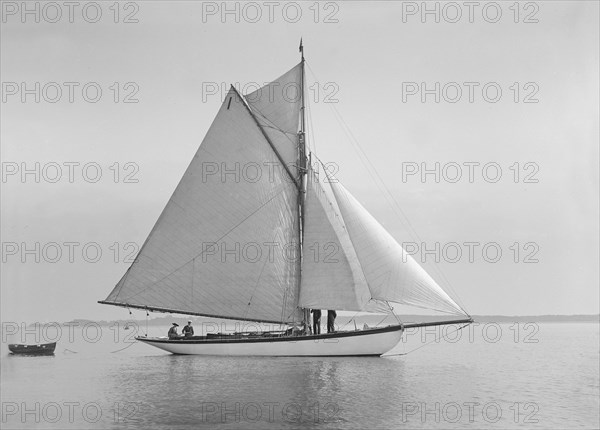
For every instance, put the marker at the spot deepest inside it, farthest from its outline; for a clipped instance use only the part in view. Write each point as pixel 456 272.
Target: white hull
pixel 364 342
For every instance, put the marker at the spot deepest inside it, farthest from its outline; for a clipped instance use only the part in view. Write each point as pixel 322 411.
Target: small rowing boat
pixel 39 349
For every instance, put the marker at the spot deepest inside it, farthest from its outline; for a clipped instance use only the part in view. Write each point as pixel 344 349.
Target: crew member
pixel 330 321
pixel 173 332
pixel 316 320
pixel 188 330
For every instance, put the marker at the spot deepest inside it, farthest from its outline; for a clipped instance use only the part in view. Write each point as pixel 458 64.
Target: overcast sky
pixel 365 59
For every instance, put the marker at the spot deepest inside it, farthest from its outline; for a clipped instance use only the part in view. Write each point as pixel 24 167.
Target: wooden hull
pixel 42 349
pixel 375 341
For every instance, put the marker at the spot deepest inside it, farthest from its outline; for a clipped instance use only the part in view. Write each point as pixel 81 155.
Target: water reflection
pixel 140 388
pixel 32 355
pixel 182 390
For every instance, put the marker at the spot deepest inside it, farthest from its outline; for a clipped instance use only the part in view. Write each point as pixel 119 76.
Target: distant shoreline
pixel 342 319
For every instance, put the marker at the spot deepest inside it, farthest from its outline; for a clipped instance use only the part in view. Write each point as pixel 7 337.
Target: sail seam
pixel 160 217
pixel 257 281
pixel 336 197
pixel 436 297
pixel 346 276
pixel 222 237
pixel 272 125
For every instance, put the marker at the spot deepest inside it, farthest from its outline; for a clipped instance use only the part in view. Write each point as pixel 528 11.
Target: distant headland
pixel 345 320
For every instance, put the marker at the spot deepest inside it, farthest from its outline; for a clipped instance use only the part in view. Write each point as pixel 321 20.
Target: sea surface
pixel 485 376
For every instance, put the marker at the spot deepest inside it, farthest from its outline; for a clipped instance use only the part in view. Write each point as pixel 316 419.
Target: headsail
pixel 391 273
pixel 352 263
pixel 331 274
pixel 221 247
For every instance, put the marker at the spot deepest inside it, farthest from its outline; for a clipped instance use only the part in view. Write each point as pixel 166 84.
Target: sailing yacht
pixel 258 230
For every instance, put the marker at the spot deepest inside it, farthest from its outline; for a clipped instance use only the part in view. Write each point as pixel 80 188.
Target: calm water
pixel 498 376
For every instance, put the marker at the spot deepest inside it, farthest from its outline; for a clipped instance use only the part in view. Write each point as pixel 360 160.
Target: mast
pixel 302 125
pixel 302 179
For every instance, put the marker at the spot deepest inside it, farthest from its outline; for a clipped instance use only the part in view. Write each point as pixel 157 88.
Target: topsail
pixel 276 107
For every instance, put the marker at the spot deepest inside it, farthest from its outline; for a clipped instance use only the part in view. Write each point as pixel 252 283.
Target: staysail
pixel 226 242
pixel 331 274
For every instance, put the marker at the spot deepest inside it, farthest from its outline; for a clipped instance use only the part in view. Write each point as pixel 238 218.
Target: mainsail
pixel 218 247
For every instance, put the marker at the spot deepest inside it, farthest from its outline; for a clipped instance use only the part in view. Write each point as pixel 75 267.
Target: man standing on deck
pixel 188 330
pixel 330 321
pixel 316 320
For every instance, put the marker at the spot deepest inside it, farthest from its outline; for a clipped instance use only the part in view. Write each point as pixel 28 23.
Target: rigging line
pixel 393 313
pixel 286 133
pixel 392 201
pixel 388 195
pixel 310 122
pixel 428 308
pixel 223 236
pixel 123 349
pixel 311 130
pixel 444 311
pixel 271 124
pixel 288 317
pixel 124 278
pixel 381 185
pixel 431 341
pixel 293 311
pixel 384 318
pixel 283 305
pixel 266 136
pixel 350 320
pixel 258 281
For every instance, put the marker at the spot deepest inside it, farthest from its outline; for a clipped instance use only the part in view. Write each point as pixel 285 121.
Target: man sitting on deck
pixel 173 332
pixel 188 330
